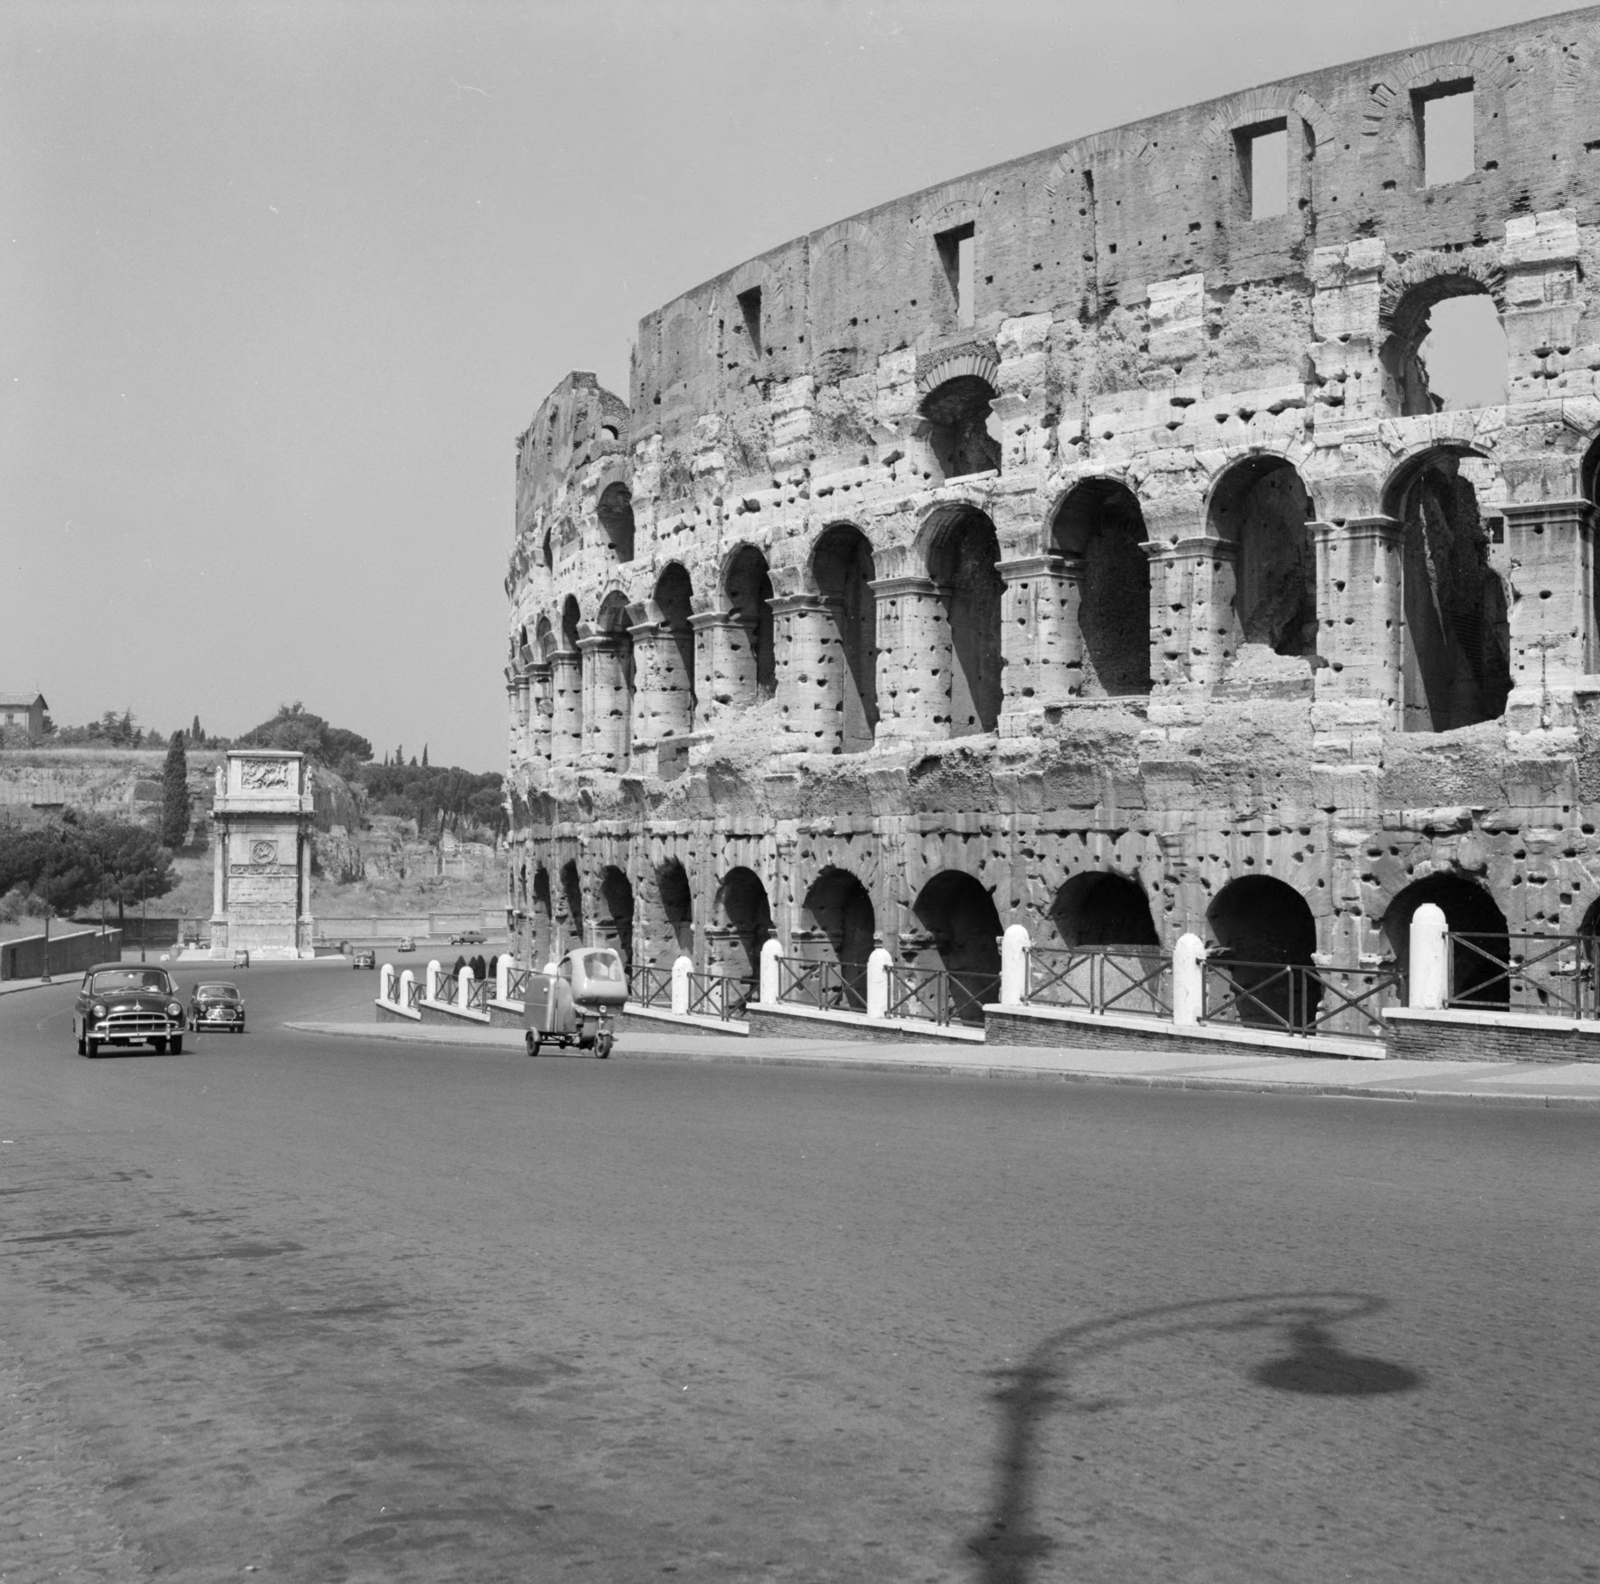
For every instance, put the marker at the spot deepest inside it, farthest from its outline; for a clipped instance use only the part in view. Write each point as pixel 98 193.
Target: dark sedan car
pixel 216 1006
pixel 119 1005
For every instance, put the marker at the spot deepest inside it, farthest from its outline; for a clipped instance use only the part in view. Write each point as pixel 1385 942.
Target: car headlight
pixel 98 1010
pixel 174 1010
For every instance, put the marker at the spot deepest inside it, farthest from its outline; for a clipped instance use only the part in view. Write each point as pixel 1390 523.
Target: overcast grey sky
pixel 283 282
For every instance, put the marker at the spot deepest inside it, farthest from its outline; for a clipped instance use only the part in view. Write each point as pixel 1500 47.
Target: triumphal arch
pixel 1093 542
pixel 261 852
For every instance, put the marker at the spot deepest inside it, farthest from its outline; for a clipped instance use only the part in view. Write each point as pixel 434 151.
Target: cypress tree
pixel 175 794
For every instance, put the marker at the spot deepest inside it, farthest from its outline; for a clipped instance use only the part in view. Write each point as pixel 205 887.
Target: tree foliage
pixel 294 729
pixel 436 797
pixel 175 803
pixel 72 863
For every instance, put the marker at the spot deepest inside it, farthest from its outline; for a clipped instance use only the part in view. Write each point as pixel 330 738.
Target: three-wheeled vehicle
pixel 572 1006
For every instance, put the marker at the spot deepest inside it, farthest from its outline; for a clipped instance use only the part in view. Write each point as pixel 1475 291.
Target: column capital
pixel 1381 528
pixel 1197 547
pixel 1048 565
pixel 893 587
pixel 1571 509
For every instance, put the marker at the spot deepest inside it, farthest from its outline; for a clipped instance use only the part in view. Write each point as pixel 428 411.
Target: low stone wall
pixel 24 957
pixel 1490 1036
pixel 769 1022
pixel 629 1021
pixel 1020 1026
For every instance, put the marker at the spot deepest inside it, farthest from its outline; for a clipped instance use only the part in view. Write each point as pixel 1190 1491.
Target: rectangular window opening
pixel 1444 129
pixel 750 307
pixel 957 253
pixel 1264 168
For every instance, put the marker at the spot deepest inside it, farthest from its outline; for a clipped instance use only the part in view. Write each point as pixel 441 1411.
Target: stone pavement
pixel 1506 1083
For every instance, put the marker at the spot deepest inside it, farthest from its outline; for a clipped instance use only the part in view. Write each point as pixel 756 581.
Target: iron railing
pixel 1100 978
pixel 414 998
pixel 446 988
pixel 721 996
pixel 478 991
pixel 940 995
pixel 650 986
pixel 1296 998
pixel 1552 974
pixel 827 985
pixel 517 984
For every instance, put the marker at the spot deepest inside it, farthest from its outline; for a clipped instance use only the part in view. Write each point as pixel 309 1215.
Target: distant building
pixel 25 710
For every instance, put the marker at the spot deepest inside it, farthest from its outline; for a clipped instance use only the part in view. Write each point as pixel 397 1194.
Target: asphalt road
pixel 323 1310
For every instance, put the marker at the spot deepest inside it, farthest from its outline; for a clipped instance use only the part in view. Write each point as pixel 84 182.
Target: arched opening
pixel 1261 926
pixel 677 907
pixel 1446 351
pixel 1099 525
pixel 1457 666
pixel 572 896
pixel 1100 909
pixel 674 595
pixel 616 922
pixel 841 926
pixel 571 678
pixel 571 620
pixel 843 568
pixel 1477 964
pixel 1261 507
pixel 965 561
pixel 956 414
pixel 614 683
pixel 960 915
pixel 615 511
pixel 547 552
pixel 749 590
pixel 543 944
pixel 744 922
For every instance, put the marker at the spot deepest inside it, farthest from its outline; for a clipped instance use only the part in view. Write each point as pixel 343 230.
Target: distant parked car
pixel 363 957
pixel 216 1006
pixel 127 1006
pixel 406 944
pixel 469 938
pixel 241 958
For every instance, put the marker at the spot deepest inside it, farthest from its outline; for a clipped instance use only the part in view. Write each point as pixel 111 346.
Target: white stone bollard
pixel 771 956
pixel 1014 946
pixel 878 965
pixel 502 977
pixel 464 988
pixel 1188 981
pixel 407 980
pixel 430 985
pixel 681 969
pixel 1430 959
pixel 386 982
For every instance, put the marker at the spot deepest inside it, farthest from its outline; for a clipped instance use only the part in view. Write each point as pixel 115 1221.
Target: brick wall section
pixel 1007 1030
pixel 768 1025
pixel 1418 1041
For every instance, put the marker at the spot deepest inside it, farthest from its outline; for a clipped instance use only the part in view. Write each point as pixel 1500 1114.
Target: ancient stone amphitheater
pixel 1082 544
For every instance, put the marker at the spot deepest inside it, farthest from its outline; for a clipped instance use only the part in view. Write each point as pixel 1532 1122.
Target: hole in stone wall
pixel 957 414
pixel 1265 926
pixel 843 569
pixel 1101 909
pixel 957 251
pixel 1261 505
pixel 1447 351
pixel 677 907
pixel 960 915
pixel 965 560
pixel 543 918
pixel 742 910
pixel 1100 525
pixel 572 895
pixel 750 307
pixel 675 659
pixel 840 912
pixel 748 585
pixel 616 922
pixel 1263 153
pixel 1443 115
pixel 547 551
pixel 1468 909
pixel 615 511
pixel 1457 666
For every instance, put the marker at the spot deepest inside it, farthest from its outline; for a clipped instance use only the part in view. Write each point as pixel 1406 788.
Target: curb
pixel 937 1069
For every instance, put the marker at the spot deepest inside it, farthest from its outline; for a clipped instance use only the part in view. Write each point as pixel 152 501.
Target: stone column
pixel 914 659
pixel 607 703
pixel 1040 637
pixel 810 691
pixel 1551 607
pixel 566 680
pixel 541 712
pixel 725 665
pixel 219 876
pixel 516 721
pixel 306 931
pixel 1191 585
pixel 1360 631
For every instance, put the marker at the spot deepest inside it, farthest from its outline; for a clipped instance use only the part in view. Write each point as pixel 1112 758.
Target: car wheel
pixel 531 1040
pixel 81 1048
pixel 175 1045
pixel 91 1047
pixel 159 1046
pixel 602 1046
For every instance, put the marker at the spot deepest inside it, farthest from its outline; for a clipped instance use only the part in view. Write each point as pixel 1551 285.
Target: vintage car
pixel 363 957
pixel 469 938
pixel 127 1005
pixel 216 1006
pixel 406 944
pixel 573 1006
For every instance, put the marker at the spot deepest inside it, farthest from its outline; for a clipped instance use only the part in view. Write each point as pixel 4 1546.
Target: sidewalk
pixel 1566 1084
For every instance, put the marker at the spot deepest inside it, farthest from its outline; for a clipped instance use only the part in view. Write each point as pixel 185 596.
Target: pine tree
pixel 195 734
pixel 424 756
pixel 175 795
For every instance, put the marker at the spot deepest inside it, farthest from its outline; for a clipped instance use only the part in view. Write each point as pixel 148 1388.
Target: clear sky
pixel 282 283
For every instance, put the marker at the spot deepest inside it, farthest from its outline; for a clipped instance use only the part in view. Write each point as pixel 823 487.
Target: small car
pixel 406 944
pixel 363 957
pixel 469 938
pixel 132 1005
pixel 216 1006
pixel 573 1005
pixel 241 958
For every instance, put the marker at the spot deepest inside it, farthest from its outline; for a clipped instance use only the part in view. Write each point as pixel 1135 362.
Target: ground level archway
pixel 963 925
pixel 1477 972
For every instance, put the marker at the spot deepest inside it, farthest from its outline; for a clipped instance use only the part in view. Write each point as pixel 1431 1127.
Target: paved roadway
pixel 311 1309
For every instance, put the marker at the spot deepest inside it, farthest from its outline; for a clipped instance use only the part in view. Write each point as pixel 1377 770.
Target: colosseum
pixel 1082 544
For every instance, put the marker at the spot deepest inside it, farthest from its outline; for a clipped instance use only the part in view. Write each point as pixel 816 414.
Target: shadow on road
pixel 1312 1363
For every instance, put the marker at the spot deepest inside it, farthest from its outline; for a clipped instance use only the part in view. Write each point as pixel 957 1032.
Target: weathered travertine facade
pixel 261 823
pixel 1078 544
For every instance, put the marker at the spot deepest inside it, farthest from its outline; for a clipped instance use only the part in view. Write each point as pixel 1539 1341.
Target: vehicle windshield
pixel 218 992
pixel 111 980
pixel 602 965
